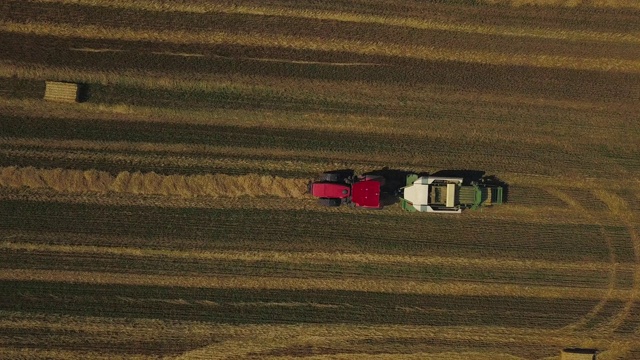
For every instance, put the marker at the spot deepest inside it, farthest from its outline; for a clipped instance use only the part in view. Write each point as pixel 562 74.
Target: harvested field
pixel 167 216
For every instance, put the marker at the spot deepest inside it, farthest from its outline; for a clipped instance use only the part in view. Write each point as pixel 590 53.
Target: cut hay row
pixel 298 284
pixel 409 22
pixel 531 214
pixel 336 45
pixel 218 185
pixel 315 257
pixel 227 162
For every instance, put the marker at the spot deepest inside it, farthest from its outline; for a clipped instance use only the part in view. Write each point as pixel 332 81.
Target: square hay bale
pixel 61 91
pixel 578 354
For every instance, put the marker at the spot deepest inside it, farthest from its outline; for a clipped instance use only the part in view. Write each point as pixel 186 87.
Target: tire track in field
pixel 613 268
pixel 211 185
pixel 620 208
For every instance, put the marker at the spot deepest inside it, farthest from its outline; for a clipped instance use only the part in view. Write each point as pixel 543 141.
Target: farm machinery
pixel 447 194
pixel 416 193
pixel 344 187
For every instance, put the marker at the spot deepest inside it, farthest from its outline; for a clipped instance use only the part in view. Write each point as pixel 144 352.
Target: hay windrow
pixel 151 183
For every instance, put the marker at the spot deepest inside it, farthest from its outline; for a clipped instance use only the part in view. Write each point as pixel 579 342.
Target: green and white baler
pixel 447 194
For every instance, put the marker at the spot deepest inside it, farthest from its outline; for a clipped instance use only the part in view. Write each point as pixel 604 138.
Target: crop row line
pixel 346 284
pixel 316 44
pixel 93 324
pixel 408 22
pixel 332 332
pixel 318 257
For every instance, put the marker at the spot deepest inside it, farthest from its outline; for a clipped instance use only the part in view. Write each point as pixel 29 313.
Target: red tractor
pixel 337 188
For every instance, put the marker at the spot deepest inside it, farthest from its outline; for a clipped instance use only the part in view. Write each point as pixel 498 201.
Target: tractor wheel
pixel 378 178
pixel 330 202
pixel 330 177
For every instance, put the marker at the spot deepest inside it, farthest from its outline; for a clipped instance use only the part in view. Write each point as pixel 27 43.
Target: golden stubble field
pixel 166 217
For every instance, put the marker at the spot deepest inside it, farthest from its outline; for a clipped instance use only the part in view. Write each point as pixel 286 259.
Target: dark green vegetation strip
pixel 186 267
pixel 224 229
pixel 235 306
